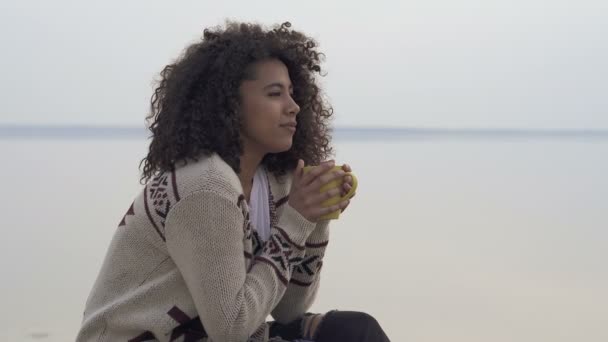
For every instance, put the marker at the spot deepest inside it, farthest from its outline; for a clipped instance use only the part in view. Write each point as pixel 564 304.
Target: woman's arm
pixel 305 280
pixel 306 277
pixel 204 234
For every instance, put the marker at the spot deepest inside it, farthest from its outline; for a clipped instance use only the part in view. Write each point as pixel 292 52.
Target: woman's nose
pixel 294 108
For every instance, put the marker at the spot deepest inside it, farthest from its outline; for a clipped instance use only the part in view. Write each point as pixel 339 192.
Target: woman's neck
pixel 249 165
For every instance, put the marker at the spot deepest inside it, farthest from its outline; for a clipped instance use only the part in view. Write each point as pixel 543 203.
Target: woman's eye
pixel 275 94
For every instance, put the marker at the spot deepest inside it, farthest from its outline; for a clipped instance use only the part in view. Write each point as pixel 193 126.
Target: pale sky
pixel 418 63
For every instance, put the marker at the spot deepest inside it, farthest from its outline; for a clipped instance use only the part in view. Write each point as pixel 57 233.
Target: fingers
pixel 317 171
pixel 346 206
pixel 326 178
pixel 305 195
pixel 324 196
pixel 340 206
pixel 299 170
pixel 345 188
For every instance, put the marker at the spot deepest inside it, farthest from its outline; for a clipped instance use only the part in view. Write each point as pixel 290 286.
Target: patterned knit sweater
pixel 185 263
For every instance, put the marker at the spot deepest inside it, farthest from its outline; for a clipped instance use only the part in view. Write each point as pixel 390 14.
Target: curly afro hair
pixel 195 108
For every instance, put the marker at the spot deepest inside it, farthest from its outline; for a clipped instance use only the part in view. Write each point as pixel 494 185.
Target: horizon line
pixel 83 131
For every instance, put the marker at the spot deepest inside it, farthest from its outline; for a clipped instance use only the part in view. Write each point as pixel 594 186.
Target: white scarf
pixel 259 211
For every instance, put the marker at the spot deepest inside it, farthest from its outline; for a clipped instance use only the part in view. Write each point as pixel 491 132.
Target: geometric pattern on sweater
pixel 303 273
pixel 309 266
pixel 129 212
pixel 307 269
pixel 158 200
pixel 279 250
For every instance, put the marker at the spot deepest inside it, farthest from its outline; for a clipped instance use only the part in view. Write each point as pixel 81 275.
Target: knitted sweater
pixel 185 263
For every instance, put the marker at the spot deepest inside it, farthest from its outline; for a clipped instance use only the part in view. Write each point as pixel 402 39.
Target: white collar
pixel 259 210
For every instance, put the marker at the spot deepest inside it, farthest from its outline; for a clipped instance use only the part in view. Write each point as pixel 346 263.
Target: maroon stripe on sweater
pixel 178 315
pixel 240 200
pixel 317 245
pixel 150 215
pixel 288 239
pixel 300 283
pixel 174 182
pixel 276 269
pixel 282 201
pixel 147 336
pixel 192 331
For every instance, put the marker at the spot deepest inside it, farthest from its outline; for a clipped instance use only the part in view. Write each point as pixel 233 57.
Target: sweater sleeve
pixel 304 283
pixel 204 236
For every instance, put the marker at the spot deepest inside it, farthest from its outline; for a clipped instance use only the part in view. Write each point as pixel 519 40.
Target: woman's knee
pixel 351 325
pixel 356 319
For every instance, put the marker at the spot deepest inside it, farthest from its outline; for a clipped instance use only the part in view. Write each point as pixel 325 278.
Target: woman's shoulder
pixel 207 173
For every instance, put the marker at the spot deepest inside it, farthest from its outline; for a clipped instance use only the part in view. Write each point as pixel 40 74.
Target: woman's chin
pixel 282 147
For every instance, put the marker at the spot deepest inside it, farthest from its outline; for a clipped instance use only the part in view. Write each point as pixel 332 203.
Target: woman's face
pixel 268 109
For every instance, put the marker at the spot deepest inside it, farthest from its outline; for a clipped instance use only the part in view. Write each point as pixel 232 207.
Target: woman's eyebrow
pixel 278 84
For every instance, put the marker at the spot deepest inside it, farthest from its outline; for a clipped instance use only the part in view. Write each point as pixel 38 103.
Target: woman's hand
pixel 348 184
pixel 304 195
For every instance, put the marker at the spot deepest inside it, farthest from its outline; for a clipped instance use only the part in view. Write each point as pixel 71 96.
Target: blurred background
pixel 478 131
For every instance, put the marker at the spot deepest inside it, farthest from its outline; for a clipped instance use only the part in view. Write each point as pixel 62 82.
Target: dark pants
pixel 336 326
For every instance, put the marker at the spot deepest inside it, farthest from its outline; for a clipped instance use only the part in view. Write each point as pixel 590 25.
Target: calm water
pixel 446 240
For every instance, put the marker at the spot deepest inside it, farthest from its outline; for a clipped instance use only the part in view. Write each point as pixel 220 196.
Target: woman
pixel 227 230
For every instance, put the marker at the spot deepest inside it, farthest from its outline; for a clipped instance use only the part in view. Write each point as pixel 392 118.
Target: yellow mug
pixel 337 183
